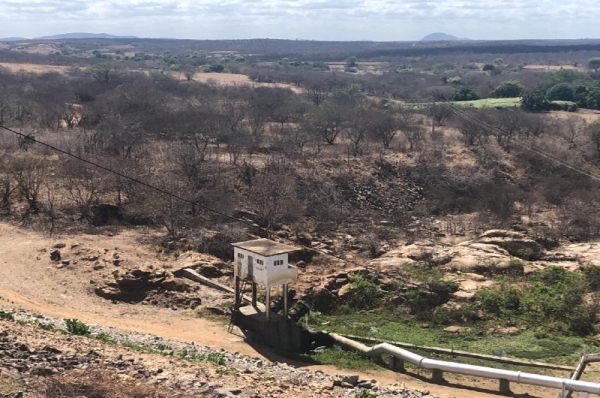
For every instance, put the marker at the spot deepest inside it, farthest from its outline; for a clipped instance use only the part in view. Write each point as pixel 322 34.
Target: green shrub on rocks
pixel 77 327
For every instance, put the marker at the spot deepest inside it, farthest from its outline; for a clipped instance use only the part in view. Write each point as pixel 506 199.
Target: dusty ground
pixel 34 68
pixel 29 280
pixel 554 67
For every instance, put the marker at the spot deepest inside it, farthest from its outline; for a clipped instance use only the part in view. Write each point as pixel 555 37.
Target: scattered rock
pixel 55 255
pixel 457 329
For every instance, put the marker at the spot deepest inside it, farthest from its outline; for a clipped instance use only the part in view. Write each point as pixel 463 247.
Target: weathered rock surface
pixel 515 243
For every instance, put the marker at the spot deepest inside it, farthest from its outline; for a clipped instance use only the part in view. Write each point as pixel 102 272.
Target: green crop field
pixel 489 103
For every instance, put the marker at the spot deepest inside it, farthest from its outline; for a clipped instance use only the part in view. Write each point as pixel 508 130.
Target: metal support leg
pixel 268 304
pixel 505 387
pixel 237 293
pixel 285 300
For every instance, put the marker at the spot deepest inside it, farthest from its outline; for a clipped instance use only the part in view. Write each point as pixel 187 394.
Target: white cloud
pixel 310 19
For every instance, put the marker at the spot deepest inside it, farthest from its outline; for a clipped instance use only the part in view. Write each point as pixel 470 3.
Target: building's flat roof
pixel 265 247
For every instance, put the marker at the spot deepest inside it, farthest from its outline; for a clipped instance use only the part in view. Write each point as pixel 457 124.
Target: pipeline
pixel 471 370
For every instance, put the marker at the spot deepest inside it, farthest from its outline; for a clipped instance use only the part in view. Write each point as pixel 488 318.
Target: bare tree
pixel 30 172
pixel 327 121
pixel 414 134
pixel 473 133
pixel 384 127
pixel 571 128
pixel 83 186
pixel 593 131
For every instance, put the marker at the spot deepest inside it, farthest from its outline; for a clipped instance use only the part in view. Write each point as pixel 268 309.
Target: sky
pixel 379 20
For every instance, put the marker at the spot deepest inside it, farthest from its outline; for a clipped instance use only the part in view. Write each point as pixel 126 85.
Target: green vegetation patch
pixel 490 103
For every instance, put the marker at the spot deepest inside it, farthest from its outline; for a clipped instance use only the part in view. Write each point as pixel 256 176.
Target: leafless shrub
pixel 99 384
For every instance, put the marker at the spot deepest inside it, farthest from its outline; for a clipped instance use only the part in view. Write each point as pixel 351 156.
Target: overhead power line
pixel 165 192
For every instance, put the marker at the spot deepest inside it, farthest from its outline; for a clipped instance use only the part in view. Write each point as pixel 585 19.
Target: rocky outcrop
pixel 515 243
pixel 205 265
pixel 465 257
pixel 152 286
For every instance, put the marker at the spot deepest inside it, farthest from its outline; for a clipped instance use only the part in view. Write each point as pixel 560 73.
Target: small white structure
pixel 264 262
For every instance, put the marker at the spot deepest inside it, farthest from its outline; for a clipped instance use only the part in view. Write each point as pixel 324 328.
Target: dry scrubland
pixel 453 235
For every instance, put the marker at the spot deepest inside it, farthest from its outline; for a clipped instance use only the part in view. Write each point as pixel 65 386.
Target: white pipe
pixel 471 370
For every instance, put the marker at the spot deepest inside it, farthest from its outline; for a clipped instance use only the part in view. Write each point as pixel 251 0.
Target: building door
pixel 250 267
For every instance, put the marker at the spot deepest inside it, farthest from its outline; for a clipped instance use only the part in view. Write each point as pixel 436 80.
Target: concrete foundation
pixel 437 376
pixel 505 387
pixel 277 332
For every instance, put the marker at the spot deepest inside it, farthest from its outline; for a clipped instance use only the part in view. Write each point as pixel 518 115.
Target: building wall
pixel 241 265
pixel 266 273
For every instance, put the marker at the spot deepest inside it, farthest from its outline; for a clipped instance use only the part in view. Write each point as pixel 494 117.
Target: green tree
pixel 560 92
pixel 352 62
pixel 567 76
pixel 465 94
pixel 535 101
pixel 594 63
pixel 508 89
pixel 593 99
pixel 580 96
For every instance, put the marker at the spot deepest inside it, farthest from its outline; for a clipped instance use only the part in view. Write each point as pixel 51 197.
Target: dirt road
pixel 29 280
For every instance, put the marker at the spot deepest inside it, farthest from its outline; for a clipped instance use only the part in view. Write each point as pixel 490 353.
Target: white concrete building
pixel 264 262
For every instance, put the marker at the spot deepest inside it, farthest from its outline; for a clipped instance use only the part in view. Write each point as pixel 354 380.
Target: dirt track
pixel 29 280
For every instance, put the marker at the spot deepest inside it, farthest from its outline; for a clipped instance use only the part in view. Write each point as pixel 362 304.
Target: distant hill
pixel 78 35
pixel 439 37
pixel 13 39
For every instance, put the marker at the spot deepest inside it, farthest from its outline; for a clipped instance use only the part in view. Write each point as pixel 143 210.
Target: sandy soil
pixel 29 280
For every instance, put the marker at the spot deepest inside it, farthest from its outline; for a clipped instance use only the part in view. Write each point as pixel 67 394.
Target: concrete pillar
pixel 254 292
pixel 505 387
pixel 268 304
pixel 437 376
pixel 285 300
pixel 396 364
pixel 237 292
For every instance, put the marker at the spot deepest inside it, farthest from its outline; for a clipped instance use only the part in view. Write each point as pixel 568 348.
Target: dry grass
pixel 34 68
pixel 229 79
pixel 589 115
pixel 10 386
pixel 554 67
pixel 99 384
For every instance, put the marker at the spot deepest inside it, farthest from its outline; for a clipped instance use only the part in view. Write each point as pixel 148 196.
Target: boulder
pixel 55 255
pixel 130 282
pixel 515 243
pixel 209 270
pixel 457 329
pixel 176 284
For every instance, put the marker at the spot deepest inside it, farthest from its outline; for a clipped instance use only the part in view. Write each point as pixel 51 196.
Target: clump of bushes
pixel 553 297
pixel 364 293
